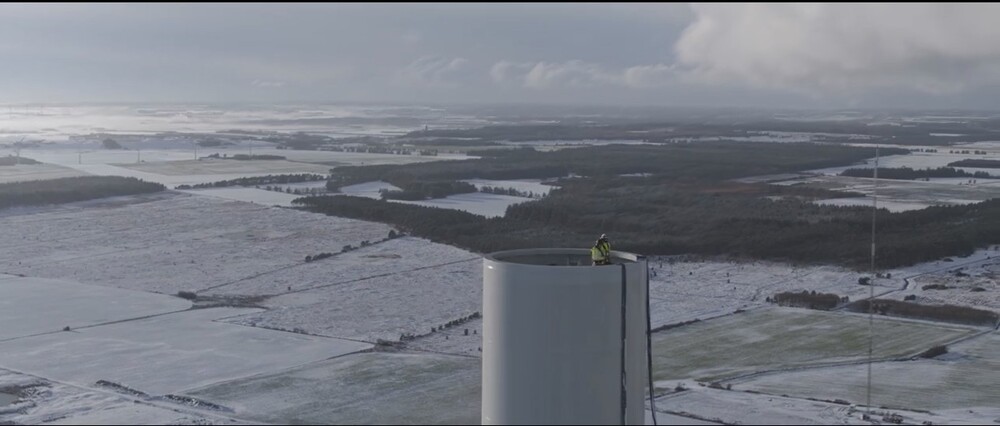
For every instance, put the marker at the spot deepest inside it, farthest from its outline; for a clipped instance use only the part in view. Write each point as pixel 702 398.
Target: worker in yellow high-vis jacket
pixel 600 253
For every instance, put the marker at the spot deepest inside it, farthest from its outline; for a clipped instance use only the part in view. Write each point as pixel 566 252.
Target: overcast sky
pixel 777 55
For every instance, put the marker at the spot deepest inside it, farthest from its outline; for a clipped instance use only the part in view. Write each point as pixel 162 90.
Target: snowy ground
pixel 973 284
pixel 369 189
pixel 171 181
pixel 371 388
pixel 66 154
pixel 384 306
pixel 779 338
pixel 489 205
pixel 920 160
pixel 968 376
pixel 214 166
pixel 41 401
pixel 735 407
pixel 334 158
pixel 382 259
pixel 173 167
pixel 171 242
pixel 167 353
pixel 249 195
pixel 701 289
pixel 524 185
pixel 483 204
pixel 32 306
pixel 902 195
pixel 685 290
pixel 26 172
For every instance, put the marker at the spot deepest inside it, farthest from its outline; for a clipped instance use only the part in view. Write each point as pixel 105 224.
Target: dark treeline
pixel 810 300
pixel 665 131
pixel 706 160
pixel 258 180
pixel 12 160
pixel 906 173
pixel 422 190
pixel 111 144
pixel 67 190
pixel 687 205
pixel 731 219
pixel 947 313
pixel 245 157
pixel 212 142
pixel 663 218
pixel 450 142
pixel 982 164
pixel 514 192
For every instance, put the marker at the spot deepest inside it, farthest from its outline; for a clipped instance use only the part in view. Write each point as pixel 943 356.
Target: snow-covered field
pixel 170 243
pixel 968 376
pixel 246 359
pixel 167 354
pixel 369 189
pixel 918 160
pixel 49 171
pixel 335 158
pixel 524 185
pixel 779 338
pixel 41 401
pixel 737 407
pixel 371 388
pixel 68 156
pixel 57 122
pixel 384 306
pixel 212 166
pixel 173 167
pixel 26 172
pixel 703 289
pixel 483 204
pixel 383 259
pixel 902 195
pixel 249 195
pixel 685 290
pixel 31 306
pixel 969 283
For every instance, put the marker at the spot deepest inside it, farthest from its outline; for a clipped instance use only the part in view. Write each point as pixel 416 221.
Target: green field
pixel 776 338
pixel 969 376
pixel 368 388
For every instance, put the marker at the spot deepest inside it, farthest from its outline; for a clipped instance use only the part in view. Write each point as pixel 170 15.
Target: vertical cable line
pixel 624 391
pixel 649 351
pixel 871 284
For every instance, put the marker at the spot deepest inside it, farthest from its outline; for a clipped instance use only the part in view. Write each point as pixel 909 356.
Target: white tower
pixel 555 347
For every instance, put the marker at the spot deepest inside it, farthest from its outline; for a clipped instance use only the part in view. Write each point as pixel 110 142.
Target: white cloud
pixel 572 73
pixel 650 76
pixel 509 72
pixel 832 48
pixel 576 73
pixel 434 71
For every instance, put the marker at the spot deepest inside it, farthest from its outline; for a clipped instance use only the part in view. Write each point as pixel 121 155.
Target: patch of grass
pixel 767 339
